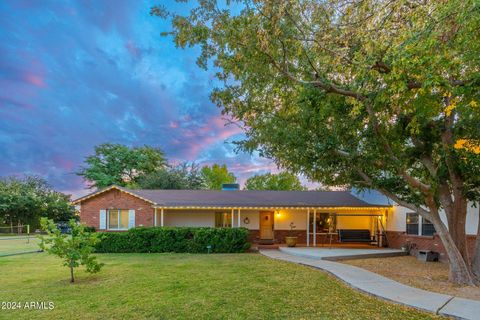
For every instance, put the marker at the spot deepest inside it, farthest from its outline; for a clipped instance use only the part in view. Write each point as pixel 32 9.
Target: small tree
pixel 75 249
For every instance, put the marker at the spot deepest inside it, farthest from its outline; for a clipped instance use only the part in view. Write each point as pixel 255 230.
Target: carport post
pixel 314 227
pixel 308 227
pixel 161 217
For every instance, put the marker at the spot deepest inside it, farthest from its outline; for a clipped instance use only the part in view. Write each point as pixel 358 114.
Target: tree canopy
pixel 121 165
pixel 184 176
pixel 25 200
pixel 279 181
pixel 370 94
pixel 216 175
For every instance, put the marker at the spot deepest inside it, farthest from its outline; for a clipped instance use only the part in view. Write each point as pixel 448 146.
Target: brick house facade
pixel 202 209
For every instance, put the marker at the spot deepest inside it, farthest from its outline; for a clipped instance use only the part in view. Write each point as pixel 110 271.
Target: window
pixel 418 225
pixel 223 219
pixel 412 223
pixel 427 228
pixel 117 219
pixel 324 222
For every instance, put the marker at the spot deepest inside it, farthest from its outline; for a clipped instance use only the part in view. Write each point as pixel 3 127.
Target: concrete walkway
pixel 387 289
pixel 334 254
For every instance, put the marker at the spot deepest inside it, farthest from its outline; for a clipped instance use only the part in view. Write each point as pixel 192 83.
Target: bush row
pixel 175 239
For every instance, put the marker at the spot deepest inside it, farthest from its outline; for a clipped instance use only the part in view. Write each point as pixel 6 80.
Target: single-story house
pixel 315 217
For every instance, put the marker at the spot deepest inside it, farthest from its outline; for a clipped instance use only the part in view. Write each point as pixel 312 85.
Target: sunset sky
pixel 74 74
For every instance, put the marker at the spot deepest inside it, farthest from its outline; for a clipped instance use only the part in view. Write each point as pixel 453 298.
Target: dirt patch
pixel 432 276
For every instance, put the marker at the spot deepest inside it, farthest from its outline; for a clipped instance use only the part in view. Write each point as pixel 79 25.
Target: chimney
pixel 230 187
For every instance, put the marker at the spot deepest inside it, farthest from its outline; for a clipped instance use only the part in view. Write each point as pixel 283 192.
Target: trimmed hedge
pixel 175 239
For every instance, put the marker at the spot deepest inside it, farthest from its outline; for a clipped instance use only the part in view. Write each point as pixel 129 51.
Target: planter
pixel 291 241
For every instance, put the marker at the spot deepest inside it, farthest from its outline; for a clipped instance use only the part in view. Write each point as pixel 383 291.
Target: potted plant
pixel 291 240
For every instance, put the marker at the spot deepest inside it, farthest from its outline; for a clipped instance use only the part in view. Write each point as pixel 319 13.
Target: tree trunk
pixel 459 270
pixel 456 226
pixel 71 273
pixel 476 252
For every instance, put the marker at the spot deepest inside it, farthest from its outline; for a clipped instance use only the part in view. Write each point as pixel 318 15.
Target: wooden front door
pixel 266 225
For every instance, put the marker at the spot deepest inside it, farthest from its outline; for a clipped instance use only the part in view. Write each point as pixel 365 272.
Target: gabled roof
pixel 242 199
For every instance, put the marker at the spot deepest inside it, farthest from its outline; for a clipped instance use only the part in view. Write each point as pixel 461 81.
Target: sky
pixel 75 74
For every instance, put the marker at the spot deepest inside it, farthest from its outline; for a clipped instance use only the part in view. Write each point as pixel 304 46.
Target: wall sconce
pixel 278 214
pixel 246 220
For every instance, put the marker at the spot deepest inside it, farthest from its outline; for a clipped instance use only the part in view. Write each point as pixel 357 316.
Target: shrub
pixel 90 229
pixel 175 239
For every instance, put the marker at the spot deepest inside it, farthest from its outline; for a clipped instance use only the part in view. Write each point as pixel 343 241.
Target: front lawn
pixel 186 286
pixel 431 276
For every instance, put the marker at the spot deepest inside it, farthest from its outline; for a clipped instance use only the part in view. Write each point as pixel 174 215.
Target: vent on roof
pixel 230 186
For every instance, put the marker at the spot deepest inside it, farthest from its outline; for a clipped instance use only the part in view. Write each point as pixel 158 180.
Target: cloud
pixel 79 73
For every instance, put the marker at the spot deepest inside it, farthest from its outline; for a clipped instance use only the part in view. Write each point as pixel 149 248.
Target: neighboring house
pixel 268 215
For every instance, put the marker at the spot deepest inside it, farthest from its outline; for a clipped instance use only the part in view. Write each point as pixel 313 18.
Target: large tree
pixel 216 175
pixel 269 181
pixel 370 93
pixel 184 176
pixel 121 165
pixel 25 200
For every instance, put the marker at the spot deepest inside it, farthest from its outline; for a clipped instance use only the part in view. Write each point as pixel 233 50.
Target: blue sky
pixel 74 74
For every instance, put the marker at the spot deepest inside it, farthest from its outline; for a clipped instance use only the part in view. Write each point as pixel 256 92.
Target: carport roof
pixel 241 198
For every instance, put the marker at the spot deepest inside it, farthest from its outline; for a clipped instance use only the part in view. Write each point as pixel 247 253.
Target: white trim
pixel 239 221
pixel 96 193
pixel 420 224
pixel 155 217
pixel 103 220
pixel 314 227
pixel 131 219
pixel 308 228
pixel 363 209
pixel 161 218
pixel 233 219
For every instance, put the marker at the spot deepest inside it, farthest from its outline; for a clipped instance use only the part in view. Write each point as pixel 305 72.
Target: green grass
pixel 186 286
pixel 9 245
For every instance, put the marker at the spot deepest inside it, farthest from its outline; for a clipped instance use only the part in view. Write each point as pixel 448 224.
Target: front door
pixel 266 225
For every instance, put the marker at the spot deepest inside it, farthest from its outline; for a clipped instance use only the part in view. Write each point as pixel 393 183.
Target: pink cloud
pixel 63 163
pixel 133 49
pixel 200 137
pixel 34 79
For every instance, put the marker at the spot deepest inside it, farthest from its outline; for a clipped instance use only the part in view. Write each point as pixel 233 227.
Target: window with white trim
pixel 417 225
pixel 427 228
pixel 117 219
pixel 412 223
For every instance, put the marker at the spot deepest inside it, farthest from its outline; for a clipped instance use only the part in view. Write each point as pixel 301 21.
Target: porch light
pixel 278 214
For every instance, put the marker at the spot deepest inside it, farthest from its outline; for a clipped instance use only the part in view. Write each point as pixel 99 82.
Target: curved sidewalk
pixel 387 289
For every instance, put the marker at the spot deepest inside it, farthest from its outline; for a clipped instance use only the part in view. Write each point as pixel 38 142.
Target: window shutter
pixel 103 219
pixel 131 219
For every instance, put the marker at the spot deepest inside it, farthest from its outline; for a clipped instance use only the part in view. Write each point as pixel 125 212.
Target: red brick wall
pixel 115 199
pixel 397 239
